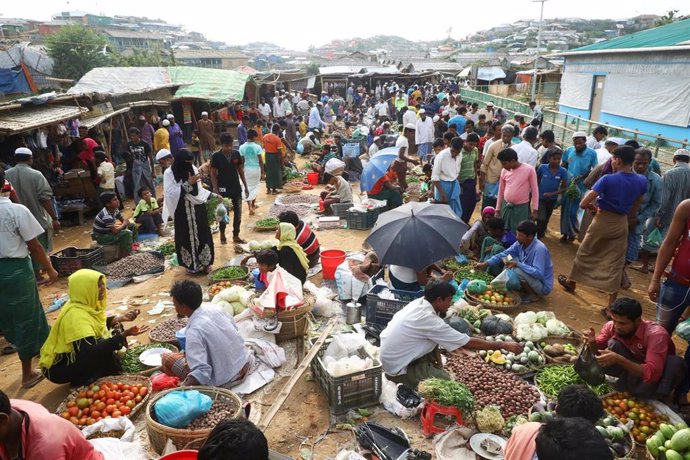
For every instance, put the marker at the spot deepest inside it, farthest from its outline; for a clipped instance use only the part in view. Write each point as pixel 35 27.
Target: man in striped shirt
pixel 305 236
pixel 676 188
pixel 111 228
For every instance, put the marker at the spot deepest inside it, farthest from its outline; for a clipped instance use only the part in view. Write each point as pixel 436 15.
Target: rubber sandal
pixel 33 382
pixel 562 280
pixel 238 240
pixel 9 349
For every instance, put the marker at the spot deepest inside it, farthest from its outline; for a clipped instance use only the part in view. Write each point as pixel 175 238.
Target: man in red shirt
pixel 639 352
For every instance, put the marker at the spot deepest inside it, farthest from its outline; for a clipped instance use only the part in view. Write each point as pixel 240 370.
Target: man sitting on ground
pixel 305 236
pixel 571 439
pixel 215 354
pixel 111 228
pixel 410 343
pixel 531 262
pixel 639 352
pixel 573 401
pixel 235 438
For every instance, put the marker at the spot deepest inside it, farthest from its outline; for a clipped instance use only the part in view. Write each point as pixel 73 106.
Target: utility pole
pixel 536 58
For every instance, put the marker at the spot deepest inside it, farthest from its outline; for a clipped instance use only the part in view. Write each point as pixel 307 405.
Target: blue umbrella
pixel 377 167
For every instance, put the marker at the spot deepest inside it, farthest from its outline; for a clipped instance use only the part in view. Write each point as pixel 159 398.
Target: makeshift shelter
pixel 24 69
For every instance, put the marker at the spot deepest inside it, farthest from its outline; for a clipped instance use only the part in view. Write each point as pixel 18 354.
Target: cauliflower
pixel 556 327
pixel 544 316
pixel 526 318
pixel 533 332
pixel 489 419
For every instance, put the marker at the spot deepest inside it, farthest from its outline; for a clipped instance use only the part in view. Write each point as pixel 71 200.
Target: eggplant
pixel 619 449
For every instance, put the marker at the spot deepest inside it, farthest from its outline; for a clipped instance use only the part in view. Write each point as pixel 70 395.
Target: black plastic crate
pixel 359 389
pixel 340 209
pixel 362 220
pixel 380 311
pixel 71 259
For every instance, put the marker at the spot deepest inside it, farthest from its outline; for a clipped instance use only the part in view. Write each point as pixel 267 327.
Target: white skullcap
pixel 436 118
pixel 141 117
pixel 422 111
pixel 162 153
pixel 170 116
pixel 204 113
pixel 410 126
pixel 23 151
pixel 681 153
pixel 166 123
pixel 579 134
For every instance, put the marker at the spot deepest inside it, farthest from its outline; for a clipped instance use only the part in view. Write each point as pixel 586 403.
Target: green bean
pixel 552 379
pixel 130 360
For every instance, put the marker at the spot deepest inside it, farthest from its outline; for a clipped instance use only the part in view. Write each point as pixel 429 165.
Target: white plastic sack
pixel 453 444
pixel 112 424
pixel 388 398
pixel 114 449
pixel 268 352
pixel 344 345
pixel 348 455
pixel 325 307
pixel 248 329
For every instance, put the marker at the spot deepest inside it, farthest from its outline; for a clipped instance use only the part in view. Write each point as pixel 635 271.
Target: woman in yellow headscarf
pixel 291 256
pixel 80 346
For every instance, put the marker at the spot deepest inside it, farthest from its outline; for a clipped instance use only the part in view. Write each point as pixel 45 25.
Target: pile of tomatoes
pixel 646 419
pixel 102 401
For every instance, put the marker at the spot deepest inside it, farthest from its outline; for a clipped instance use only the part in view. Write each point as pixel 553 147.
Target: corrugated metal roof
pixel 133 34
pixel 208 54
pixel 94 121
pixel 28 118
pixel 674 34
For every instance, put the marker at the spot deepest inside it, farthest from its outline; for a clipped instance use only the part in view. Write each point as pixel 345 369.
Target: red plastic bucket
pixel 181 455
pixel 313 178
pixel 330 259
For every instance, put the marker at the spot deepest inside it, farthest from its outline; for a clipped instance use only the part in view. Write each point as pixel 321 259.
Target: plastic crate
pixel 340 209
pixel 380 311
pixel 359 389
pixel 362 220
pixel 71 259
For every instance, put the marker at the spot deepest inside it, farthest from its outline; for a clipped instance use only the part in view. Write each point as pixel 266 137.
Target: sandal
pixel 9 349
pixel 238 240
pixel 563 281
pixel 34 382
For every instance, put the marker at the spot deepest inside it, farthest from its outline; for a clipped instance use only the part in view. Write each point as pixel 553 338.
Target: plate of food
pixel 152 356
pixel 488 445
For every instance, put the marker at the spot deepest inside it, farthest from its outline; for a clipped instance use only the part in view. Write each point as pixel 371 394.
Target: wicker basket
pixel 292 188
pixel 152 370
pixel 508 309
pixel 211 280
pixel 183 438
pixel 294 322
pixel 172 341
pixel 127 379
pixel 552 340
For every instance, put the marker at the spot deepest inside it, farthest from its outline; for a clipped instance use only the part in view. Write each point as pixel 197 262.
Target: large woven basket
pixel 295 323
pixel 184 438
pixel 242 278
pixel 127 379
pixel 150 371
pixel 552 340
pixel 172 341
pixel 514 307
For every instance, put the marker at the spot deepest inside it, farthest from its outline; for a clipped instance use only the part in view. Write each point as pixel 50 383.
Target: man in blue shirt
pixel 579 160
pixel 459 121
pixel 531 262
pixel 553 180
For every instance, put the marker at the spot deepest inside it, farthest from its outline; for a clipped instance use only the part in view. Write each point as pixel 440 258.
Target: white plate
pixel 152 356
pixel 475 444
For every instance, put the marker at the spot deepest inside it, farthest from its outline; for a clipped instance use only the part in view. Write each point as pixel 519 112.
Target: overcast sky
pixel 297 25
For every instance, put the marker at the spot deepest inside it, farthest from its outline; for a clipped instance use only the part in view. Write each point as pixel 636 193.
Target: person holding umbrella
pixel 444 176
pixel 387 189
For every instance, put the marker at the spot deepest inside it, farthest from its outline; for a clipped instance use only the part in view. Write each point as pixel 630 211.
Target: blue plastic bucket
pixel 181 337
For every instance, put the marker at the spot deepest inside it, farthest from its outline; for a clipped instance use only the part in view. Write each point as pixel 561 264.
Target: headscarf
pixel 82 316
pixel 489 210
pixel 180 168
pixel 288 236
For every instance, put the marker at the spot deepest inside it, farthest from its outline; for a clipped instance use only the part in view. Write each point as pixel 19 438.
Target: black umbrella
pixel 416 235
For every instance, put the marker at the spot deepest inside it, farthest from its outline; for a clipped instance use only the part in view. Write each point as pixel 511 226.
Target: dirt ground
pixel 304 427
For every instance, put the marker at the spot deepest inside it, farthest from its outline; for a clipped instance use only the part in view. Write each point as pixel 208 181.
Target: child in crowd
pixel 105 171
pixel 553 181
pixel 425 188
pixel 196 147
pixel 147 213
pixel 474 237
pixel 493 242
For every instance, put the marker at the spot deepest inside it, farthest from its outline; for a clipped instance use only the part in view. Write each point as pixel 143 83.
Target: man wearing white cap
pixel 579 160
pixel 424 135
pixel 161 139
pixel 176 139
pixel 488 111
pixel 399 165
pixel 315 121
pixel 34 192
pixel 207 138
pixel 676 188
pixel 147 131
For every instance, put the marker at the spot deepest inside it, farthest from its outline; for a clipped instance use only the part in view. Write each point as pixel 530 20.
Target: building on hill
pixel 123 39
pixel 637 81
pixel 214 59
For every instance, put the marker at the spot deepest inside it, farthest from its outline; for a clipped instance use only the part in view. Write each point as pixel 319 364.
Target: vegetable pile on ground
pixel 117 434
pixel 519 363
pixel 259 245
pixel 493 386
pixel 672 442
pixel 165 331
pixel 453 265
pixel 300 210
pixel 645 418
pixel 234 300
pixel 167 249
pixel 219 286
pixel 512 423
pixel 229 273
pixel 109 399
pixel 447 393
pixel 552 379
pixel 219 411
pixel 268 222
pixel 535 326
pixel 560 353
pixel 133 265
pixel 299 199
pixel 543 412
pixel 496 297
pixel 617 436
pixel 467 272
pixel 130 360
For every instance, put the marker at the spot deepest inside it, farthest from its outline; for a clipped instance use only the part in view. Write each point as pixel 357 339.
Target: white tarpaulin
pixel 122 80
pixel 576 90
pixel 661 99
pixel 490 73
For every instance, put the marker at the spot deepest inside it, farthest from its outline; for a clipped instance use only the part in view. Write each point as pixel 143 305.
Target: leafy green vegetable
pixel 468 272
pixel 447 393
pixel 211 206
pixel 130 360
pixel 229 273
pixel 167 248
pixel 268 222
pixel 552 379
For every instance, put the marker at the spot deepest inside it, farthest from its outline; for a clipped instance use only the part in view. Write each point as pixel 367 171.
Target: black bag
pixel 588 368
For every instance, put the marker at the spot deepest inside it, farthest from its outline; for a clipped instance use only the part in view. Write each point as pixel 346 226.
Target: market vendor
pixel 291 256
pixel 215 353
pixel 305 236
pixel 409 279
pixel 573 401
pixel 29 431
pixel 111 228
pixel 387 189
pixel 338 190
pixel 473 238
pixel 639 352
pixel 530 261
pixel 81 344
pixel 410 343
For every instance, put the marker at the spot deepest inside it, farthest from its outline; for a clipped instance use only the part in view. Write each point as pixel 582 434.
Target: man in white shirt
pixel 278 108
pixel 594 141
pixel 537 113
pixel 526 152
pixel 444 176
pixel 409 116
pixel 265 110
pixel 382 109
pixel 424 135
pixel 410 344
pixel 604 153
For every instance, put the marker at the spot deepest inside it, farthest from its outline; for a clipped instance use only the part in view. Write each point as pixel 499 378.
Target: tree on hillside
pixel 668 18
pixel 75 50
pixel 143 58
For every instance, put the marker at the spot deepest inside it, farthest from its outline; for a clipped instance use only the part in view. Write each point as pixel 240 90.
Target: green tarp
pixel 214 85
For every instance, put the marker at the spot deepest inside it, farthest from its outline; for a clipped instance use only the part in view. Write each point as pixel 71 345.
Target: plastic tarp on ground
pixel 663 99
pixel 13 81
pixel 214 85
pixel 576 90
